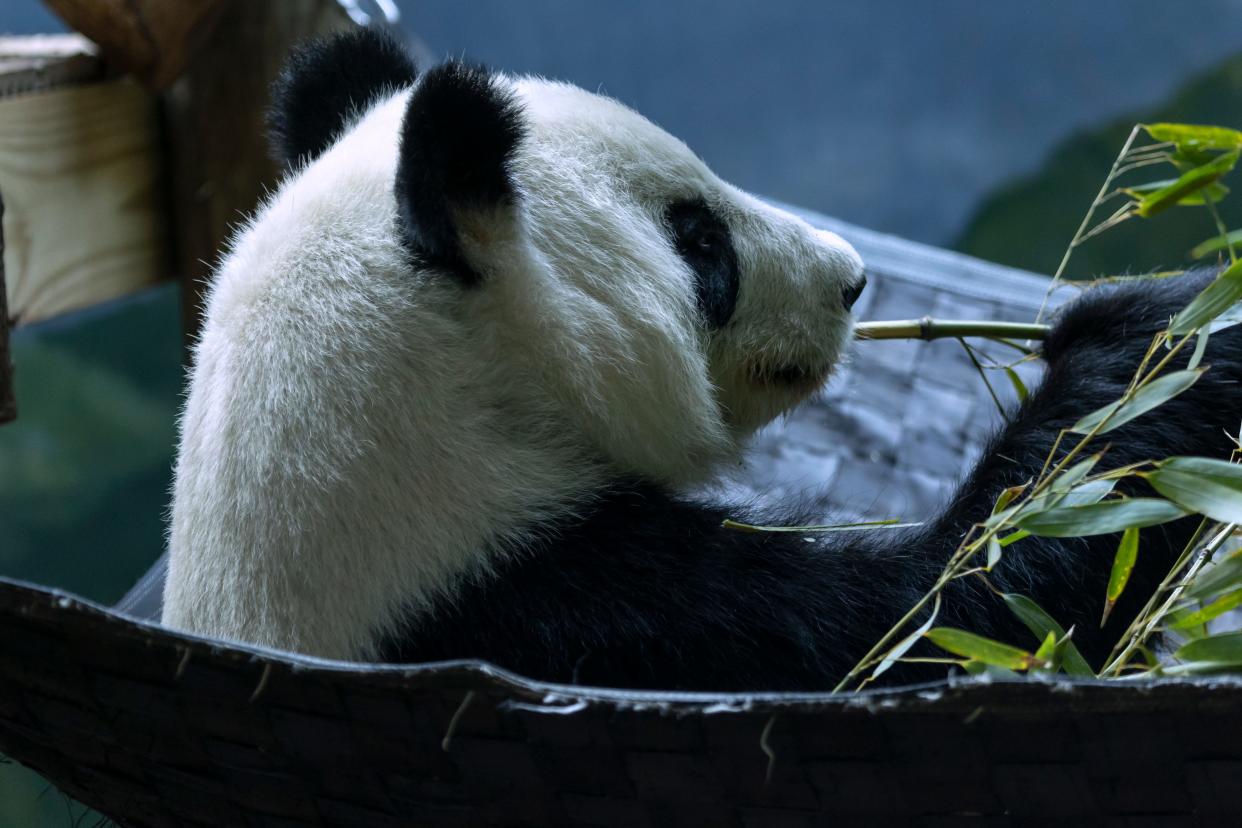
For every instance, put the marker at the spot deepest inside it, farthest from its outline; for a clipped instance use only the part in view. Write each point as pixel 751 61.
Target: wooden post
pixel 152 39
pixel 8 400
pixel 219 161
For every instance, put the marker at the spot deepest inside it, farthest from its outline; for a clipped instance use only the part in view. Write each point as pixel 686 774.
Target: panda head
pixel 604 275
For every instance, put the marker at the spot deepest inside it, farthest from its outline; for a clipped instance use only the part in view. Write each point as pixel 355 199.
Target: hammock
pixel 157 728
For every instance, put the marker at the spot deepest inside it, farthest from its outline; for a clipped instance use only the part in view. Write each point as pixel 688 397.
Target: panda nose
pixel 850 294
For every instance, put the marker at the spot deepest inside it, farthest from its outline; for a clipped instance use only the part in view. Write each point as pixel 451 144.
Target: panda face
pixel 609 281
pixel 728 309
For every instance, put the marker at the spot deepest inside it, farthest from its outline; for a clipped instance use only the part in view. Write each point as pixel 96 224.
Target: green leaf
pixel 1214 192
pixel 1220 606
pixel 1201 484
pixel 1225 648
pixel 1200 668
pixel 1067 489
pixel 1221 295
pixel 1201 341
pixel 1090 492
pixel 994 553
pixel 1013 537
pixel 1006 497
pixel 1189 182
pixel 979 668
pixel 1216 244
pixel 1047 650
pixel 1019 386
pixel 1196 137
pixel 960 642
pixel 1227 319
pixel 1042 624
pixel 1153 394
pixel 1222 576
pixel 900 648
pixel 1072 476
pixel 1123 565
pixel 1100 518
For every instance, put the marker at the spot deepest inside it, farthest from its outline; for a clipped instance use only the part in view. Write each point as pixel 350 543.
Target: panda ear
pixel 462 127
pixel 325 83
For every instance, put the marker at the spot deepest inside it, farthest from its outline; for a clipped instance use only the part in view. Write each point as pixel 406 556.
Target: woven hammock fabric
pixel 154 728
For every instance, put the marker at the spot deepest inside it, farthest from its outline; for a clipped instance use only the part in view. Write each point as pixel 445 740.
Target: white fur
pixel 358 435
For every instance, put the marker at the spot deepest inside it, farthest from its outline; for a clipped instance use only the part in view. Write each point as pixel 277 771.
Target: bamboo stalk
pixel 928 328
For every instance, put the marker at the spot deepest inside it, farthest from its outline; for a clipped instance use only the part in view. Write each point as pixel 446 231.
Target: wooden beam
pixel 37 63
pixel 80 170
pixel 219 160
pixel 8 400
pixel 152 39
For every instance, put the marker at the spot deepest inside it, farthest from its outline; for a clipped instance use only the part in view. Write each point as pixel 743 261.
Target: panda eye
pixel 702 239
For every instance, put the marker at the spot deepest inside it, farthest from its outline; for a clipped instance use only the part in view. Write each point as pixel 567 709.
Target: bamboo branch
pixel 928 328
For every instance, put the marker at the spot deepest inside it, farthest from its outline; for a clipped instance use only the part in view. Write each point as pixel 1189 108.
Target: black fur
pixel 458 138
pixel 704 240
pixel 327 81
pixel 649 590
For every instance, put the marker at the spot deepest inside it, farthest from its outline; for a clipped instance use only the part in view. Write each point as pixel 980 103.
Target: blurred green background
pixel 1028 223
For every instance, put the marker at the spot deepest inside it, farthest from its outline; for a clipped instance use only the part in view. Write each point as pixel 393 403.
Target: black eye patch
pixel 703 240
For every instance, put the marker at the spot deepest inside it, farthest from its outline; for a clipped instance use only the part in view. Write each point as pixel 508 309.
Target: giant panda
pixel 459 372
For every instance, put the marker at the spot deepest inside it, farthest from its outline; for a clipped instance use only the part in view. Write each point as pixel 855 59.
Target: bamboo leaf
pixel 1100 518
pixel 994 553
pixel 1047 650
pixel 1153 394
pixel 1042 624
pixel 1006 497
pixel 1196 137
pixel 1123 565
pixel 1066 489
pixel 1090 492
pixel 1072 476
pixel 1214 192
pixel 1221 295
pixel 1201 341
pixel 1201 484
pixel 1189 182
pixel 1222 605
pixel 901 647
pixel 1013 537
pixel 1222 576
pixel 1222 649
pixel 1216 244
pixel 1227 319
pixel 960 642
pixel 979 668
pixel 1019 386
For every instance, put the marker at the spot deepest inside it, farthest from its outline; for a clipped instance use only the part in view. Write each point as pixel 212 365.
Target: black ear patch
pixel 326 81
pixel 460 132
pixel 704 241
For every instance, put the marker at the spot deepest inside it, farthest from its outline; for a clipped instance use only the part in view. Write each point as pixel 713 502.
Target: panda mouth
pixel 800 378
